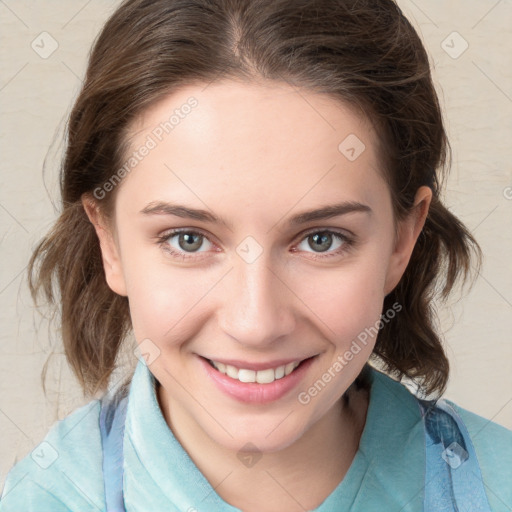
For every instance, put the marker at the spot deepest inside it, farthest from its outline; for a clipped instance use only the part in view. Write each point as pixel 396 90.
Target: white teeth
pixel 261 377
pixel 231 371
pixel 246 375
pixel 289 368
pixel 221 367
pixel 265 376
pixel 279 371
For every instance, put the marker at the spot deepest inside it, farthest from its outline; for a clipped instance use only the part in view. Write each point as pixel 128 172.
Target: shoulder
pixel 399 431
pixel 64 471
pixel 493 447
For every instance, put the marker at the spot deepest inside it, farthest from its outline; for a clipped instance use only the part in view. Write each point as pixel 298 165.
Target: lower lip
pixel 253 392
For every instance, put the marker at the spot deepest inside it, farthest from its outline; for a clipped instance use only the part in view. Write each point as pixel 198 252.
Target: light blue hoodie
pixel 64 472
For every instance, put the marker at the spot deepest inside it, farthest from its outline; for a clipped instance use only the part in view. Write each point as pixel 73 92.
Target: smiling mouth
pixel 266 376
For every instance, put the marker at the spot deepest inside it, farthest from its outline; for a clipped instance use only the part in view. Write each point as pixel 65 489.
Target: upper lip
pixel 247 365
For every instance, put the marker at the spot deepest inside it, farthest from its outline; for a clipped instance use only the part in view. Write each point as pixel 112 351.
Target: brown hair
pixel 363 53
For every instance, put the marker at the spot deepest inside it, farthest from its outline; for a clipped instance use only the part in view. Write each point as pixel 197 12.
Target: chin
pixel 257 441
pixel 259 431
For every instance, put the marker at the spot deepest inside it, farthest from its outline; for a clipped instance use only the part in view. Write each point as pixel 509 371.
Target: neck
pixel 297 478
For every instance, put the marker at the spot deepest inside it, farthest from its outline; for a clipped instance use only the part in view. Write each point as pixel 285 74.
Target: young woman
pixel 252 188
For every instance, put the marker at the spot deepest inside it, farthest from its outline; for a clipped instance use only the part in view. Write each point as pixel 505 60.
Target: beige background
pixel 36 94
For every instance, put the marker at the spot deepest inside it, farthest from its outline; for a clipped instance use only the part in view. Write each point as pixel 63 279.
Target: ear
pixel 109 250
pixel 408 231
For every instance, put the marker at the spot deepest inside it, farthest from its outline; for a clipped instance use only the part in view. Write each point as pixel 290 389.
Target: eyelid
pixel 338 231
pixel 348 243
pixel 348 239
pixel 176 231
pixel 170 233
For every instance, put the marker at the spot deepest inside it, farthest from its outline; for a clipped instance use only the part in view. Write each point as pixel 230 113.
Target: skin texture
pixel 255 155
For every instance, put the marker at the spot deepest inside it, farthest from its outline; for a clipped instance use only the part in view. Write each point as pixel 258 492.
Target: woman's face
pixel 257 280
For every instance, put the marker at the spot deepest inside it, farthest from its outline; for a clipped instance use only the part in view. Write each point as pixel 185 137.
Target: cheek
pixel 345 301
pixel 165 302
pixel 166 306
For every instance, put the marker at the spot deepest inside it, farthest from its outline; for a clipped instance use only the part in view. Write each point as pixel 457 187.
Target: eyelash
pixel 348 242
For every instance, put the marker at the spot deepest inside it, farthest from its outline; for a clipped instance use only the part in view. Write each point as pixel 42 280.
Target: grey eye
pixel 322 241
pixel 188 241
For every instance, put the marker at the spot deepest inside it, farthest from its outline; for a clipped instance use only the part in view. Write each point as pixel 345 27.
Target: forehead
pixel 264 113
pixel 255 140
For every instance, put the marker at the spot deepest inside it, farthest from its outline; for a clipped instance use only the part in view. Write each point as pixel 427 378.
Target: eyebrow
pixel 325 212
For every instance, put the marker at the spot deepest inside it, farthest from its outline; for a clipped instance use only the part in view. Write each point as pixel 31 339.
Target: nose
pixel 257 309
